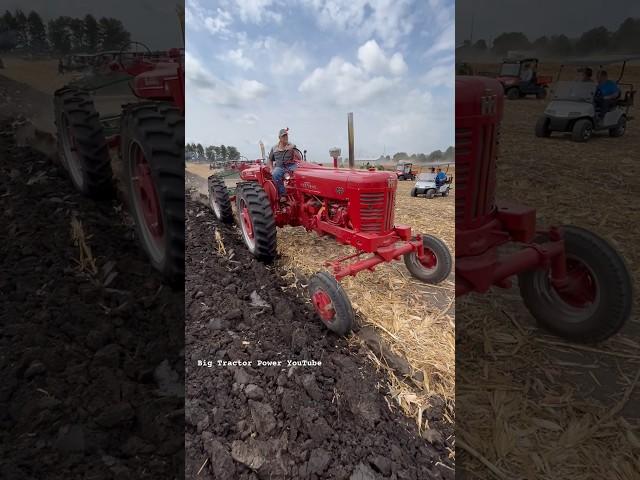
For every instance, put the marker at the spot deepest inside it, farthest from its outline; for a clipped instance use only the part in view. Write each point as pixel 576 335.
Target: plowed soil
pixel 91 365
pixel 246 421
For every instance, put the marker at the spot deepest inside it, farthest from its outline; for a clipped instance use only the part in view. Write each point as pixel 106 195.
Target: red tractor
pixel 573 282
pixel 147 136
pixel 355 207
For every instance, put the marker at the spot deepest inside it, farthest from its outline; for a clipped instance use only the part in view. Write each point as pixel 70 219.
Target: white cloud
pixel 388 20
pixel 237 58
pixel 343 83
pixel 203 85
pixel 440 76
pixel 257 11
pixel 445 41
pixel 218 22
pixel 249 118
pixel 198 18
pixel 374 60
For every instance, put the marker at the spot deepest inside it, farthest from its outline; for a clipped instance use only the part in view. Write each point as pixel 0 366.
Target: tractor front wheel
pixel 219 199
pixel 152 143
pixel 435 265
pixel 331 303
pixel 257 224
pixel 597 300
pixel 82 145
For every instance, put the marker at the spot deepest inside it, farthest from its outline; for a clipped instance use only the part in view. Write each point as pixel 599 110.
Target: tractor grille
pixel 376 211
pixel 476 171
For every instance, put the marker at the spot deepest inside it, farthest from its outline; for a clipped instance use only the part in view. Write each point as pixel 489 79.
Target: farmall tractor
pixel 573 282
pixel 146 136
pixel 355 207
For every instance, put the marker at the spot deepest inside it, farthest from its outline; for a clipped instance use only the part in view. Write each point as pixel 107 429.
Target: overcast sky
pixel 255 66
pixel 539 17
pixel 153 22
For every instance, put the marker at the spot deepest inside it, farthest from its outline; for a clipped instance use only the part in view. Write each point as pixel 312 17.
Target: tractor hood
pixel 340 182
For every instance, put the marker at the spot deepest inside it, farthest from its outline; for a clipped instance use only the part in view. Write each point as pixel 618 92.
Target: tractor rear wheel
pixel 257 224
pixel 82 145
pixel 598 299
pixel 152 143
pixel 219 199
pixel 582 130
pixel 414 192
pixel 331 303
pixel 435 265
pixel 542 127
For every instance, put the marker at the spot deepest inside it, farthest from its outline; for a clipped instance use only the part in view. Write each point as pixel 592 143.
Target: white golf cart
pixel 577 109
pixel 426 185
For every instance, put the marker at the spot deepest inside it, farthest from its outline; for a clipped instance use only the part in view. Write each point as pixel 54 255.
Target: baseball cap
pixel 283 131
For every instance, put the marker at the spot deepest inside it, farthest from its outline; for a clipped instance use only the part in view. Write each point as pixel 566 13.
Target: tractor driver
pixel 285 156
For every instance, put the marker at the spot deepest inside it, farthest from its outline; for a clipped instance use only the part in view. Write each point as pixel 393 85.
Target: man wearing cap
pixel 284 156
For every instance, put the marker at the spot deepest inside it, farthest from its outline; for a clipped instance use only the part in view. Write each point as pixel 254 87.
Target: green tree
pixel 560 45
pixel 594 40
pixel 541 44
pixel 210 153
pixel 37 33
pixel 8 32
pixel 627 35
pixel 233 154
pixel 510 41
pixel 21 28
pixel 399 156
pixel 200 150
pixel 480 45
pixel 59 35
pixel 113 35
pixel 223 153
pixel 91 33
pixel 77 30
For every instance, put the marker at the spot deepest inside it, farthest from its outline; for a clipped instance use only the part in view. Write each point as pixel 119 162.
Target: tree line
pixel 595 40
pixel 435 156
pixel 61 35
pixel 212 153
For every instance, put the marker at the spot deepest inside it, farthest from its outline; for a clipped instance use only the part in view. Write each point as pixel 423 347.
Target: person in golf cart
pixel 587 75
pixel 441 178
pixel 284 156
pixel 607 93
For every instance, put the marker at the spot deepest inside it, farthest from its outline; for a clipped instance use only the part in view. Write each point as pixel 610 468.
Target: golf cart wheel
pixel 82 145
pixel 435 265
pixel 445 193
pixel 542 127
pixel 620 128
pixel 597 301
pixel 152 143
pixel 219 199
pixel 513 94
pixel 582 130
pixel 414 192
pixel 430 193
pixel 256 221
pixel 331 303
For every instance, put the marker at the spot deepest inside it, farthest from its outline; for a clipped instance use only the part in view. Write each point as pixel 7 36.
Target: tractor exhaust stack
pixel 352 160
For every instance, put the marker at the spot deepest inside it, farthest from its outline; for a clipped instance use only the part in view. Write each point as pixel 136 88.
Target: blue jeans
pixel 278 176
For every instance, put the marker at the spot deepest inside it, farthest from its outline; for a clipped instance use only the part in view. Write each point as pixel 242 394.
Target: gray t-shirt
pixel 281 156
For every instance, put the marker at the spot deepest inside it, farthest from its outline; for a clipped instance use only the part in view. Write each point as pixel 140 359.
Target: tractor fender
pixel 272 192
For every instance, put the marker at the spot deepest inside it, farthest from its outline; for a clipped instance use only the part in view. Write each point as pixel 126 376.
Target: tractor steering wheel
pixel 301 155
pixel 126 49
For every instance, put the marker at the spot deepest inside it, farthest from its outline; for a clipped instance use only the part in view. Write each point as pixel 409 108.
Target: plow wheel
pixel 82 145
pixel 435 265
pixel 597 300
pixel 331 303
pixel 219 199
pixel 152 149
pixel 256 221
